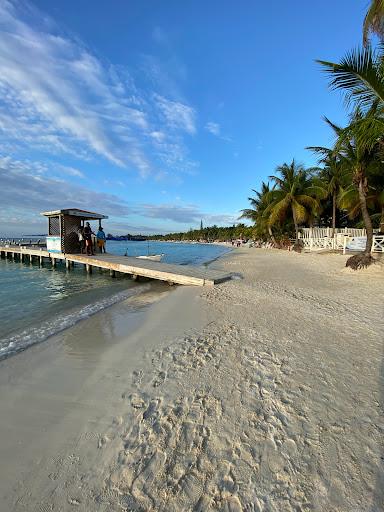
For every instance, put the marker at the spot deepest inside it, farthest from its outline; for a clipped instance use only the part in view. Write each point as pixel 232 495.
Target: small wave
pixel 24 339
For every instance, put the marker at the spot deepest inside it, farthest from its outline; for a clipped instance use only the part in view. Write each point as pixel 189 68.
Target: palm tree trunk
pixel 296 225
pixel 333 215
pixel 363 259
pixel 271 234
pixel 366 217
pixel 381 226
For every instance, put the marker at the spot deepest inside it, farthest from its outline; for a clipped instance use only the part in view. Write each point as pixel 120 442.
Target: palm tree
pixel 376 180
pixel 361 161
pixel 293 193
pixel 256 213
pixel 349 200
pixel 374 21
pixel 331 178
pixel 360 76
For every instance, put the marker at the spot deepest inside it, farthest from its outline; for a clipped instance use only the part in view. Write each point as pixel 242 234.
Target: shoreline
pixel 43 387
pixel 224 398
pixel 45 329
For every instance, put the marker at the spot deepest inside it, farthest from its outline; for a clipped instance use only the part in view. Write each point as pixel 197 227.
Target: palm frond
pixel 300 211
pixel 278 210
pixel 358 76
pixel 374 20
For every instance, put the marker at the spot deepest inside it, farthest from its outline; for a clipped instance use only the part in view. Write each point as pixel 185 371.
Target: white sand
pixel 261 394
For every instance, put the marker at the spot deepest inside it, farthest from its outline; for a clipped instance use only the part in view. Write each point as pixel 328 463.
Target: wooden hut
pixel 63 227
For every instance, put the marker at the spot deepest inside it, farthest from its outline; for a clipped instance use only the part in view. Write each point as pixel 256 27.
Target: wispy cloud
pixel 71 171
pixel 177 115
pixel 56 96
pixel 31 193
pixel 185 214
pixel 28 188
pixel 213 128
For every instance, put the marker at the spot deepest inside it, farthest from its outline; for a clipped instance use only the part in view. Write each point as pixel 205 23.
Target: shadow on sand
pixel 378 496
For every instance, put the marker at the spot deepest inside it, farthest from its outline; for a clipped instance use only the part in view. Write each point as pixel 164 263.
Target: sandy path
pixel 274 403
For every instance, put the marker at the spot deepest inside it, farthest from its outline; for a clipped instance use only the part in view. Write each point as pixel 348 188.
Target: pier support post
pixel 135 277
pixel 30 258
pixel 41 261
pixel 53 262
pixel 112 273
pixel 88 268
pixel 68 264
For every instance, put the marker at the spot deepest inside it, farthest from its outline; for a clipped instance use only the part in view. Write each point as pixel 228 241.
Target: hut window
pixel 54 226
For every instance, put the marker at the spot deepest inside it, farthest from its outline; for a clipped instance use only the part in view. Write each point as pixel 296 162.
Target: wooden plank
pixel 180 274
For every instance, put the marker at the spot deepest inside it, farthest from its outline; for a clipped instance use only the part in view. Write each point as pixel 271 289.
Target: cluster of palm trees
pixel 351 172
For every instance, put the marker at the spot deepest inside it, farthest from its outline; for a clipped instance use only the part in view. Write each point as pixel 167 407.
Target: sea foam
pixel 36 334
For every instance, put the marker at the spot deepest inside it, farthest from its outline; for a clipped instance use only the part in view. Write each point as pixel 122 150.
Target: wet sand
pixel 260 394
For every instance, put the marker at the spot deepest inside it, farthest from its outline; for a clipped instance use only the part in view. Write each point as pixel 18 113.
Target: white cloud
pixel 176 114
pixel 57 97
pixel 213 128
pixel 71 171
pixel 29 194
pixel 158 136
pixel 28 188
pixel 185 214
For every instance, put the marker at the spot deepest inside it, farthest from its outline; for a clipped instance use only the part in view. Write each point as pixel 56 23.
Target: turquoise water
pixel 37 302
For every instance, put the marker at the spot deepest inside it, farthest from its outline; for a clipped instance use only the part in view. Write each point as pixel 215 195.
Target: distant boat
pixel 153 257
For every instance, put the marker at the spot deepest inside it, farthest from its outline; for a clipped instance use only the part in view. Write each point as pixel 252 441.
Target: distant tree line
pixel 209 234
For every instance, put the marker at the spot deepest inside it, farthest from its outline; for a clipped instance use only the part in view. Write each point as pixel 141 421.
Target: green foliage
pixel 374 21
pixel 209 234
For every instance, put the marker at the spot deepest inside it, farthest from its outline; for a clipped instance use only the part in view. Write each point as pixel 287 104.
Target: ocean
pixel 38 302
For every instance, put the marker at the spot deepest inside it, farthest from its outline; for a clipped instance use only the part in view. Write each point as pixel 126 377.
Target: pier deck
pixel 177 274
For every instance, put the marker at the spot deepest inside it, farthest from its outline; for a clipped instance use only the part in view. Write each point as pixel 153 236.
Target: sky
pixel 160 114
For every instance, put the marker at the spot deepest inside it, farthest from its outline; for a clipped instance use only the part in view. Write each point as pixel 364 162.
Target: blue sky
pixel 160 114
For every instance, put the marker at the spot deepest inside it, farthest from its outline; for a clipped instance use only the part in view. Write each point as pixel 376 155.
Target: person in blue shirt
pixel 101 239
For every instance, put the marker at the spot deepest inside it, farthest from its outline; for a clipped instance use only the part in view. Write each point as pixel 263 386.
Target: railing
pixel 328 232
pixel 340 242
pixel 378 243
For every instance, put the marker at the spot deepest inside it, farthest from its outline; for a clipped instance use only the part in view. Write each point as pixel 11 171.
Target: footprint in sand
pixel 137 377
pixel 159 379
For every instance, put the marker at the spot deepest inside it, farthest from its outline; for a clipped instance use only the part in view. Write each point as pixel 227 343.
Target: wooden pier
pixel 135 267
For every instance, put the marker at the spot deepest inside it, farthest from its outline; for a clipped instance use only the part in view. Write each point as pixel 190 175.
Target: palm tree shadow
pixel 378 496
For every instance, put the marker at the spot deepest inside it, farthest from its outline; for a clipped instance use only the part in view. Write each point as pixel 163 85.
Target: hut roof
pixel 84 214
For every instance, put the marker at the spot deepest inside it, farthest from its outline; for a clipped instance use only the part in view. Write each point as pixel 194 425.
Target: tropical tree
pixel 331 178
pixel 374 21
pixel 257 212
pixel 292 195
pixel 363 162
pixel 360 76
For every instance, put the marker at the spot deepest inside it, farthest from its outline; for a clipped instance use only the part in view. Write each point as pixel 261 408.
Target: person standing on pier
pixel 81 239
pixel 101 239
pixel 87 234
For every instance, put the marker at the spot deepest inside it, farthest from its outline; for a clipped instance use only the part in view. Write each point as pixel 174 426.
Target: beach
pixel 263 393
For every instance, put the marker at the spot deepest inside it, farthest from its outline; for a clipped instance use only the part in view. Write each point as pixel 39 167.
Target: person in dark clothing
pixel 87 234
